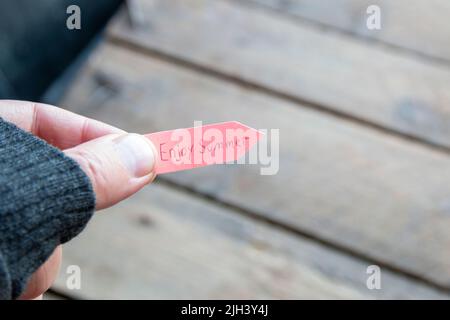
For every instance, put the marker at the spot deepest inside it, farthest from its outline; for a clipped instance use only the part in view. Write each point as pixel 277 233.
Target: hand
pixel 117 163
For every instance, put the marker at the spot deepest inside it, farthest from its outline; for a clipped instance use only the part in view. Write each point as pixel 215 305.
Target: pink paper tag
pixel 189 148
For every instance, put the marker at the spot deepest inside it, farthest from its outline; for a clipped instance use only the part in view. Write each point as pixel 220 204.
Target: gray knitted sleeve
pixel 45 200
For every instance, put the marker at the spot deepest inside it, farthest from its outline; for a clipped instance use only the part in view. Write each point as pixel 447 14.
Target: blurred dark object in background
pixel 36 46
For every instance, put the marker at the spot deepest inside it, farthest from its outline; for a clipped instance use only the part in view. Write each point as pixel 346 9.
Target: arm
pixel 49 192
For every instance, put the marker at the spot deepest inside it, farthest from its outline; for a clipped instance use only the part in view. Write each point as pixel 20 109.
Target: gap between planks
pixel 301 233
pixel 262 89
pixel 312 253
pixel 379 86
pixel 310 22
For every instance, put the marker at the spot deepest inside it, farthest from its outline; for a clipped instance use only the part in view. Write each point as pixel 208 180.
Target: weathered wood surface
pixel 324 68
pixel 374 194
pixel 163 243
pixel 416 25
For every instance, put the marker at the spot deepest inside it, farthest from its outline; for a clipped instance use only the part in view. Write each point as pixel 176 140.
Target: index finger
pixel 59 127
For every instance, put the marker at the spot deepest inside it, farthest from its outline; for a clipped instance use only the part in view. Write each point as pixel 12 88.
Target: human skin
pixel 117 163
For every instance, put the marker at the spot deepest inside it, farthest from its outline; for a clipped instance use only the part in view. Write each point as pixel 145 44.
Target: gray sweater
pixel 45 200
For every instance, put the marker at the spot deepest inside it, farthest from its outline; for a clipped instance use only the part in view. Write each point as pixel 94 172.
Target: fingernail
pixel 136 154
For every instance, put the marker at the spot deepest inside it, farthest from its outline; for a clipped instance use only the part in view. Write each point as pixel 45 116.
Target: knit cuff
pixel 46 200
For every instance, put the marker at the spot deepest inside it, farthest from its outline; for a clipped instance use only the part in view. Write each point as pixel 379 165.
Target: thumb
pixel 118 165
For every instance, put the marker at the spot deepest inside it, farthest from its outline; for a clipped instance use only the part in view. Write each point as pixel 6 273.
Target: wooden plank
pixel 377 195
pixel 336 72
pixel 163 244
pixel 416 25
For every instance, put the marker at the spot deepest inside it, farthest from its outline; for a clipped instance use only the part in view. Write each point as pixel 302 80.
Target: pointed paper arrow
pixel 189 148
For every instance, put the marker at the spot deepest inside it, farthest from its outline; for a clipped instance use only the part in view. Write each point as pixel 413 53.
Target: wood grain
pixel 419 26
pixel 370 193
pixel 163 244
pixel 339 73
